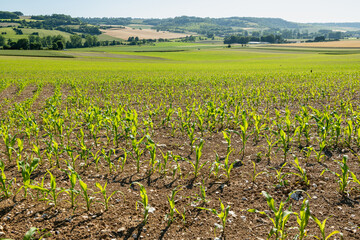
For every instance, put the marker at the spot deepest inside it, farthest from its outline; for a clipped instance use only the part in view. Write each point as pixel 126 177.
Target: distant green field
pixel 10 33
pixel 156 47
pixel 34 53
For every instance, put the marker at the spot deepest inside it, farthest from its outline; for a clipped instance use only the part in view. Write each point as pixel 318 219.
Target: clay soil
pixel 123 221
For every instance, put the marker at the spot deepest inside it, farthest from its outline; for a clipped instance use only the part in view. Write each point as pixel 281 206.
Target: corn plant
pixel 200 197
pixel 191 134
pixel 53 191
pixel 281 217
pixel 197 166
pixel 285 140
pixel 243 133
pixel 137 152
pixel 123 160
pixel 163 164
pixel 216 166
pixel 227 167
pixel 255 174
pixel 343 179
pixel 280 175
pixel 222 215
pixel 107 158
pixel 5 183
pixel 271 143
pixel 171 215
pixel 322 226
pixel 72 192
pixel 85 194
pixel 258 126
pixel 152 151
pixel 96 156
pixel 103 192
pixel 9 142
pixel 26 170
pixel 301 172
pixel 144 201
pixel 302 218
pixel 228 140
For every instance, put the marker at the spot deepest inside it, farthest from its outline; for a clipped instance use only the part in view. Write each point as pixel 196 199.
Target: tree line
pixel 271 38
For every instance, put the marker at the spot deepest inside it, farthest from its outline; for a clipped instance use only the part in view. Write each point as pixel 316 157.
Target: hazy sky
pixel 296 10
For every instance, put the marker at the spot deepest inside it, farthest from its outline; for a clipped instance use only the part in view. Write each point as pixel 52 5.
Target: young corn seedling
pixel 302 218
pixel 348 132
pixel 343 177
pixel 72 192
pixel 96 156
pixel 19 151
pixel 259 127
pixel 70 152
pixel 319 154
pixel 144 201
pixel 228 140
pixel 227 166
pixel 215 167
pixel 322 229
pixel 285 140
pixel 85 194
pixel 123 159
pixel 137 152
pixel 222 215
pixel 271 143
pixel 107 158
pixel 53 191
pixel 307 152
pixel 243 134
pixel 197 166
pixel 255 174
pixel 200 197
pixel 103 192
pixel 9 142
pixel 164 163
pixel 36 150
pixel 171 215
pixel 281 217
pixel 302 172
pixel 26 170
pixel 280 175
pixel 152 151
pixel 191 134
pixel 5 184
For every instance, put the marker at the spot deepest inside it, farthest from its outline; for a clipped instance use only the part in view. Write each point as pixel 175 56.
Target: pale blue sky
pixel 296 10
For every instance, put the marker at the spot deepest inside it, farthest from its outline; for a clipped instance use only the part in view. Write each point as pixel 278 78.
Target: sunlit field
pixel 180 141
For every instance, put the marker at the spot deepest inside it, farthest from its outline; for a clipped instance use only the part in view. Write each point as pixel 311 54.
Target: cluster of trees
pixel 61 22
pixel 107 21
pixel 188 39
pixel 36 43
pixel 10 15
pixel 271 38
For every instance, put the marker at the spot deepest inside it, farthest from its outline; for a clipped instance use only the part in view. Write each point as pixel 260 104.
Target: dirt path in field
pixel 111 55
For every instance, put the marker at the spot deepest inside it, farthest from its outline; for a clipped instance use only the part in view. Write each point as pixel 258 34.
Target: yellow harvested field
pixel 334 44
pixel 125 33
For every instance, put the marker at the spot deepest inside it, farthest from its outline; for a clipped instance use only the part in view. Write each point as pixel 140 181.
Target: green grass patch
pixel 34 53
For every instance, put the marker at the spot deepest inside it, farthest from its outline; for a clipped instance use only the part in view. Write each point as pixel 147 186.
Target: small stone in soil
pixel 296 196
